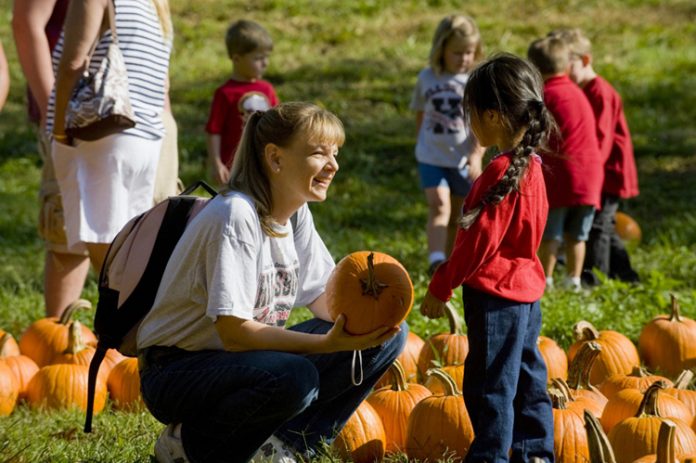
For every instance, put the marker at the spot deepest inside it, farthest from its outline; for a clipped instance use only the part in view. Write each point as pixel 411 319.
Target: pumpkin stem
pixel 684 379
pixel 75 342
pixel 639 372
pixel 451 387
pixel 597 440
pixel 666 453
pixel 649 406
pixel 4 343
pixel 455 323
pixel 585 331
pixel 674 315
pixel 561 386
pixel 581 366
pixel 399 375
pixel 67 314
pixel 370 285
pixel 559 400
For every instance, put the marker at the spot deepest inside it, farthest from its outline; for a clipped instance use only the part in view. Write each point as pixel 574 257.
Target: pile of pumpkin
pixel 49 366
pixel 607 407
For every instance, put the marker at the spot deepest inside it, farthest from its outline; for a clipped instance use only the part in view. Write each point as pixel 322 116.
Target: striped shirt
pixel 146 56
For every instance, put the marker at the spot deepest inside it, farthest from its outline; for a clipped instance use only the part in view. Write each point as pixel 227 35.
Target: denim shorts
pixel 457 180
pixel 574 222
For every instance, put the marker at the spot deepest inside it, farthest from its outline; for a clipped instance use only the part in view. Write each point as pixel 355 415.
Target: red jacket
pixel 497 253
pixel 620 173
pixel 227 112
pixel 574 166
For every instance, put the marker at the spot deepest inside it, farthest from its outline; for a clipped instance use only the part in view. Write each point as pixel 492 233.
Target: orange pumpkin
pixel 394 404
pixel 618 353
pixel 445 349
pixel 680 391
pixel 668 342
pixel 627 228
pixel 124 385
pixel 8 345
pixel 8 390
pixel 48 337
pixel 636 437
pixel 408 359
pixel 371 289
pixel 362 439
pixel 555 358
pixel 665 445
pixel 439 426
pixel 626 403
pixel 23 369
pixel 63 386
pixel 639 379
pixel 579 374
pixel 569 436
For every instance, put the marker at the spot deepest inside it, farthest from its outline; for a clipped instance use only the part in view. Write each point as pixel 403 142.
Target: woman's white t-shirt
pixel 225 264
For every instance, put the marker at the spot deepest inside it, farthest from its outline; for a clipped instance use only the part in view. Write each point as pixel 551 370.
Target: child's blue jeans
pixel 505 381
pixel 229 403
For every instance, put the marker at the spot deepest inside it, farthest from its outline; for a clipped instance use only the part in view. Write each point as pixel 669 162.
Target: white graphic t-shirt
pixel 444 138
pixel 226 265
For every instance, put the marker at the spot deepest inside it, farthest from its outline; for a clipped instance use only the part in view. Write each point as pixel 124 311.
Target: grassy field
pixel 360 59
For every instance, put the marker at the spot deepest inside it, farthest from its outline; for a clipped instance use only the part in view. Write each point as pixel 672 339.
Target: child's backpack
pixel 132 273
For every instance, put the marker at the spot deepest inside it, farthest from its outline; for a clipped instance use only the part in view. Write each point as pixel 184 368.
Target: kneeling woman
pixel 216 363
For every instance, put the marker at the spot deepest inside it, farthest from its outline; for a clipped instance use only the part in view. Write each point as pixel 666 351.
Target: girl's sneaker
pixel 169 448
pixel 274 450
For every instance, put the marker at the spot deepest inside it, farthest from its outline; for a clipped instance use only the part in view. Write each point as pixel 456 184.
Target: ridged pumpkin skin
pixel 435 385
pixel 555 358
pixel 408 359
pixel 439 426
pixel 124 385
pixel 637 436
pixel 394 405
pixel 639 379
pixel 687 396
pixel 625 404
pixel 444 349
pixel 48 337
pixel 668 342
pixel 8 390
pixel 569 436
pixel 63 386
pixel 618 354
pixel 362 439
pixel 8 345
pixel 23 369
pixel 371 289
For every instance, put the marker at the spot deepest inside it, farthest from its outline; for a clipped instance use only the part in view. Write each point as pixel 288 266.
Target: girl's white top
pixel 225 264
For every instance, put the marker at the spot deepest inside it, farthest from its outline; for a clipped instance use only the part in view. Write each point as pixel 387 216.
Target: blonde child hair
pixel 279 125
pixel 458 25
pixel 578 43
pixel 550 54
pixel 165 18
pixel 245 36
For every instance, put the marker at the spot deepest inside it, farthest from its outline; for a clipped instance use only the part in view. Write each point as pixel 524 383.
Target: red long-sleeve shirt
pixel 497 253
pixel 620 172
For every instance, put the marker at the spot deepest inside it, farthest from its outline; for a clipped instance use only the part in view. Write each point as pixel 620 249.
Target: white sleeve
pixel 316 263
pixel 231 277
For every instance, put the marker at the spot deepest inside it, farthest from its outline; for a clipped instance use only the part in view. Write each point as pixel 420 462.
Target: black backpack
pixel 132 273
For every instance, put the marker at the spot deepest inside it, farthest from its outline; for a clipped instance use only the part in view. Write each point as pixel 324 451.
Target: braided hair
pixel 513 87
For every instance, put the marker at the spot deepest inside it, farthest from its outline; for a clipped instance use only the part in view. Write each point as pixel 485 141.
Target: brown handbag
pixel 100 105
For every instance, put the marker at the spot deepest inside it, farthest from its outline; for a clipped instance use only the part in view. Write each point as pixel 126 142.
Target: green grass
pixel 360 59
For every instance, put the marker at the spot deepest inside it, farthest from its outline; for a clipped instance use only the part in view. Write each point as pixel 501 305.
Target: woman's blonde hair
pixel 455 25
pixel 165 17
pixel 279 125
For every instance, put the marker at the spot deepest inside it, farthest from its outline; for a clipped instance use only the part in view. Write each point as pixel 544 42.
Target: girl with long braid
pixel 494 260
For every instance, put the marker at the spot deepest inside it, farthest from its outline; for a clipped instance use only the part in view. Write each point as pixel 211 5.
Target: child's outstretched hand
pixel 432 307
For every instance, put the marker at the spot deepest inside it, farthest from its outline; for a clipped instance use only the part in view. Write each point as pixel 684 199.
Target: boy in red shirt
pixel 573 166
pixel 248 46
pixel 605 250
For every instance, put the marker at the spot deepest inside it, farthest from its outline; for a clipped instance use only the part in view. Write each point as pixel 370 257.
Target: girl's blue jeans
pixel 229 403
pixel 505 381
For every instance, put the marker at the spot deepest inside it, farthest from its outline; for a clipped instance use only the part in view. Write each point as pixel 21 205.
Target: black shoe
pixel 433 267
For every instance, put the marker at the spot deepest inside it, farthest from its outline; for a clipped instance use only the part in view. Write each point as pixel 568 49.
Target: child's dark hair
pixel 513 87
pixel 245 36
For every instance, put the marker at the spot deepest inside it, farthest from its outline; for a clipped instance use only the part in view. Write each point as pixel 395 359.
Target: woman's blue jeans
pixel 505 381
pixel 229 403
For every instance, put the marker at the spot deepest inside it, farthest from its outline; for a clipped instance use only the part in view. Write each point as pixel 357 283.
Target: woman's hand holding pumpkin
pixel 338 339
